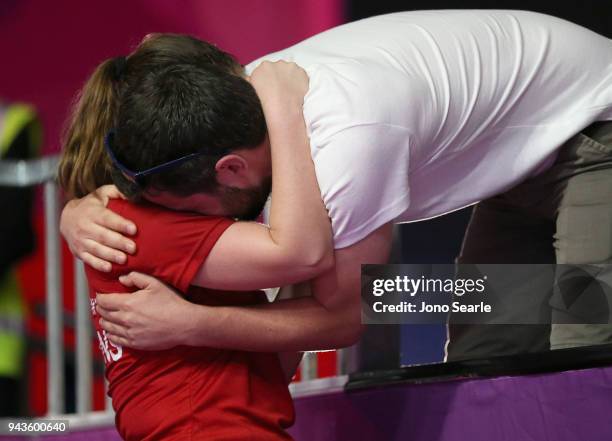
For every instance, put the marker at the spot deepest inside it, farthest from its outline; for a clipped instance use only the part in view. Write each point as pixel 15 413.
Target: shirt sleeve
pixel 174 246
pixel 363 176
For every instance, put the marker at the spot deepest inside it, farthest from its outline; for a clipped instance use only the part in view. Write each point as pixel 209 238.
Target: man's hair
pixel 182 109
pixel 176 95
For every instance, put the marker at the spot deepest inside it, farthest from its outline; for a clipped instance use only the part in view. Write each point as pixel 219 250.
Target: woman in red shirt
pixel 156 124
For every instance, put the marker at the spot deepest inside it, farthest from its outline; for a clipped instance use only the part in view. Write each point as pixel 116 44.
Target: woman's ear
pixel 232 171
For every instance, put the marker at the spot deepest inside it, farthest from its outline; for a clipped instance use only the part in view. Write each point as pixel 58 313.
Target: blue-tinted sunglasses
pixel 137 176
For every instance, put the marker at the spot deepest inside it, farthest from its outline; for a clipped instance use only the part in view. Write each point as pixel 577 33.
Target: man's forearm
pixel 286 325
pixel 156 318
pixel 330 319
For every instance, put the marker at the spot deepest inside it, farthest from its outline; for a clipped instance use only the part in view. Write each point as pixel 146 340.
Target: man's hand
pixel 94 233
pixel 152 318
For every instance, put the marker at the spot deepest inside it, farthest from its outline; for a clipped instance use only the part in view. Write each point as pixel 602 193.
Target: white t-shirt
pixel 416 114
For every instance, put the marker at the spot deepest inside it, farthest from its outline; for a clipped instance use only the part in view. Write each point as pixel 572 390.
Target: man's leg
pixel 563 215
pixel 501 232
pixel 584 228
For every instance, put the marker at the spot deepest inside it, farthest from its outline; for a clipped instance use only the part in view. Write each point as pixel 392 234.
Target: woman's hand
pixel 297 244
pixel 94 233
pixel 281 86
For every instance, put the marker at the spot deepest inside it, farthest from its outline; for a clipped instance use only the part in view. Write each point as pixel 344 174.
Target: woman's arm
pixel 298 243
pixel 155 317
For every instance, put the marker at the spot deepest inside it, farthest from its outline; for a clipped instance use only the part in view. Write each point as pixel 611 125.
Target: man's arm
pixel 156 318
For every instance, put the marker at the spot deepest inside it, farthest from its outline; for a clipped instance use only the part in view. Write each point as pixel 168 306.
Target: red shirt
pixel 188 393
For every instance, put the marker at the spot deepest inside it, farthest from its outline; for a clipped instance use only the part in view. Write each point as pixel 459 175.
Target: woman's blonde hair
pixel 84 165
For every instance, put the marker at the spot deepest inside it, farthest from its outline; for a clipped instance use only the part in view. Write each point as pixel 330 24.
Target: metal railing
pixel 43 172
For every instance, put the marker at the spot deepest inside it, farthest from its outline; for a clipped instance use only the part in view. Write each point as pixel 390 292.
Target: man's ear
pixel 231 170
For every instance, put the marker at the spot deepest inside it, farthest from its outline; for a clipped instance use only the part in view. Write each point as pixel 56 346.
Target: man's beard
pixel 246 203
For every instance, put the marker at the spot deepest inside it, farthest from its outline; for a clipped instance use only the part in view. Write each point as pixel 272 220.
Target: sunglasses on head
pixel 138 176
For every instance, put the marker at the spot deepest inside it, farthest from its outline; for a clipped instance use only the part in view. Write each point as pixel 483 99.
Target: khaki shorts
pixel 562 215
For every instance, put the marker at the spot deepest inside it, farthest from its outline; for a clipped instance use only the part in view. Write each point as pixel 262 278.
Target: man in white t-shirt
pixel 413 115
